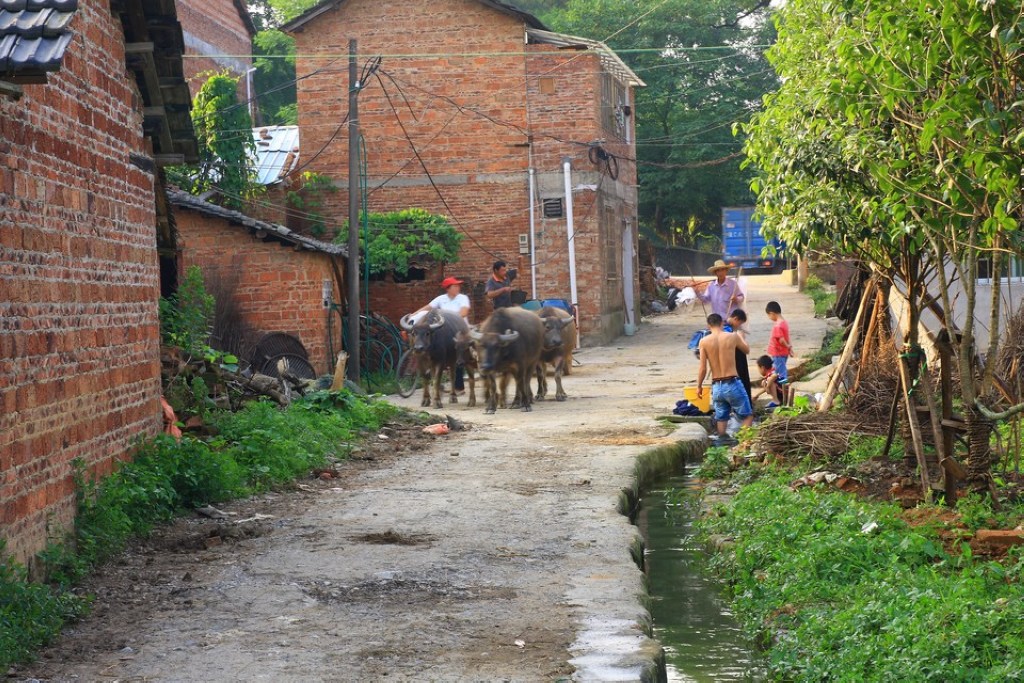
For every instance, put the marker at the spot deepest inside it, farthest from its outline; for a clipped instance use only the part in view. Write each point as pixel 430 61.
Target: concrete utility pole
pixel 352 267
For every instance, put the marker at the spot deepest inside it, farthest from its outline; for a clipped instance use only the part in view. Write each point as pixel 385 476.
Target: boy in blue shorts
pixel 728 395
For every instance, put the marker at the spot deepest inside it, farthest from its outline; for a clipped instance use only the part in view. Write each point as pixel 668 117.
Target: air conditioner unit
pixel 524 243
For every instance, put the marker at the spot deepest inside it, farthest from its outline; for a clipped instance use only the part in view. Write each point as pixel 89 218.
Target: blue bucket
pixel 558 303
pixel 531 305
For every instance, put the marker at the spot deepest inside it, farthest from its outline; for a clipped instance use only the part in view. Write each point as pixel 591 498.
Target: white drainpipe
pixel 567 168
pixel 533 238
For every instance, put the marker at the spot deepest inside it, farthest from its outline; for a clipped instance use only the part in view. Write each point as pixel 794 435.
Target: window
pixel 614 105
pixel 546 86
pixel 1012 270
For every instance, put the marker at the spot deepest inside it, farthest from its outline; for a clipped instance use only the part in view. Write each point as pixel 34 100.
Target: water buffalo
pixel 432 339
pixel 559 341
pixel 509 341
pixel 467 356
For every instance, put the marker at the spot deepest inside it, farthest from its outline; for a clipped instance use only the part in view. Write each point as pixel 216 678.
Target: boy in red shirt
pixel 779 347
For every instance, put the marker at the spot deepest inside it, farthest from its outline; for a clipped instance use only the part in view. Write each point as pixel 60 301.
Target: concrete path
pixel 512 559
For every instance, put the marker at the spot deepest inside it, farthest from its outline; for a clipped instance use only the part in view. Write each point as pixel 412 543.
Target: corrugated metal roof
pixel 277 153
pixel 33 37
pixel 262 229
pixel 611 61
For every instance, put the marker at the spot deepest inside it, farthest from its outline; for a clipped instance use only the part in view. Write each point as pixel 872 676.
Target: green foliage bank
pixel 845 590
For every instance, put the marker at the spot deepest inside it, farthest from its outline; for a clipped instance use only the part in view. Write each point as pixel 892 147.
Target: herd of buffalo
pixel 511 343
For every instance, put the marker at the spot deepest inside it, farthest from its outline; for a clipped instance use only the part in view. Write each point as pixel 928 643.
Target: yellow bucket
pixel 704 404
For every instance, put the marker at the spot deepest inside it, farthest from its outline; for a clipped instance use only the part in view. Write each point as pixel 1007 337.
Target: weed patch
pixel 844 589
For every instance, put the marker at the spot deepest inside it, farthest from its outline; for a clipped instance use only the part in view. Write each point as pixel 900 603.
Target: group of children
pixel 772 365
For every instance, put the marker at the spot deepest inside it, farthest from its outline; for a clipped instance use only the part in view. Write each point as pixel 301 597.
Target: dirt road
pixel 494 554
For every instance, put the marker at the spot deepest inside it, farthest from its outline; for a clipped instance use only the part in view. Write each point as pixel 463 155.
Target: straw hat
pixel 719 265
pixel 449 281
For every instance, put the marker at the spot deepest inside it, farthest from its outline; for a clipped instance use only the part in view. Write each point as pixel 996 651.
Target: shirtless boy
pixel 728 394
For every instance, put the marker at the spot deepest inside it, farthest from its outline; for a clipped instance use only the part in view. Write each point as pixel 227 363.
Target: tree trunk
pixel 979 456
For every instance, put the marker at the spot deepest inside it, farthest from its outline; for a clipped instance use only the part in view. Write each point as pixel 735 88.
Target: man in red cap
pixel 455 301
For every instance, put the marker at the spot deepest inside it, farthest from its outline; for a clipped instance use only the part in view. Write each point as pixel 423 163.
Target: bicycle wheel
pixel 408 374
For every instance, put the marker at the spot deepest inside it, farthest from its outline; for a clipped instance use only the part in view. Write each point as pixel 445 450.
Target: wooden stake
pixel 851 345
pixel 339 372
pixel 915 431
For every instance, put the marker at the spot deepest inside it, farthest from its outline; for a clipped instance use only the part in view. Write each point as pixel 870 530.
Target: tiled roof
pixel 277 153
pixel 316 10
pixel 261 229
pixel 33 37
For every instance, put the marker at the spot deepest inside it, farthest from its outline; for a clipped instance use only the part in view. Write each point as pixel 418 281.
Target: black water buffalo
pixel 432 339
pixel 467 356
pixel 559 342
pixel 509 342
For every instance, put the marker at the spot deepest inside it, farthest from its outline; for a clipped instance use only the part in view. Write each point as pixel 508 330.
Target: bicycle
pixel 407 373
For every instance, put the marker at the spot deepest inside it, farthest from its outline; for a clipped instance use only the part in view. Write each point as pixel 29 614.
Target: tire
pixel 407 374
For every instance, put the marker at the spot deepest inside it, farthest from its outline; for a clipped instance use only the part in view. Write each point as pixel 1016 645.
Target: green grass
pixel 257 448
pixel 823 299
pixel 837 603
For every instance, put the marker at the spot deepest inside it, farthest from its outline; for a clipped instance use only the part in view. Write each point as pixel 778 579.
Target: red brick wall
pixel 79 338
pixel 469 117
pixel 275 288
pixel 216 38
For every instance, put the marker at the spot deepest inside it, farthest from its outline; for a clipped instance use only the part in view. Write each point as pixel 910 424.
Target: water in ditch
pixel 703 641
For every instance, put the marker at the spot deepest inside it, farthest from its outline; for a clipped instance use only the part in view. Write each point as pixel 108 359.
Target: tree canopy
pixel 705 70
pixel 896 131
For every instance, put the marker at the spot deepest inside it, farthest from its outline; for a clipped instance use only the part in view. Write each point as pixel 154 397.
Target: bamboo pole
pixel 915 431
pixel 851 345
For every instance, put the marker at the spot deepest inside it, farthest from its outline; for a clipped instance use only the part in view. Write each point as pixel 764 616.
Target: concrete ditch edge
pixel 615 640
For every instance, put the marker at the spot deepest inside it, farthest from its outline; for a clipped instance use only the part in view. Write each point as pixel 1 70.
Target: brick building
pixel 475 113
pixel 265 277
pixel 218 36
pixel 92 100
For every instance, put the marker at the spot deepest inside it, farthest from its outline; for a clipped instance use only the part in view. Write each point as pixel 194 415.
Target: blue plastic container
pixel 558 303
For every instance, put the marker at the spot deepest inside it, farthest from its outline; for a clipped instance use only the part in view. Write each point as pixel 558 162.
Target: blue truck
pixel 743 242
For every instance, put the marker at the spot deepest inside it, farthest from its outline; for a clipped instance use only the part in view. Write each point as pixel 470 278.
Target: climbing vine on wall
pixel 400 239
pixel 226 146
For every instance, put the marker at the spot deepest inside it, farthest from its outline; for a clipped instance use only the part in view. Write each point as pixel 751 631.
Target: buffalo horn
pixel 406 322
pixel 439 323
pixel 476 334
pixel 509 337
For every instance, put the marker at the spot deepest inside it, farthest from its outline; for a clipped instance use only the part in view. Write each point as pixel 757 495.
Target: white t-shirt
pixel 446 303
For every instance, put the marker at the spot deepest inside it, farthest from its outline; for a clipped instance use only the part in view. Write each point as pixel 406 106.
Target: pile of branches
pixel 878 380
pixel 1010 363
pixel 193 384
pixel 823 436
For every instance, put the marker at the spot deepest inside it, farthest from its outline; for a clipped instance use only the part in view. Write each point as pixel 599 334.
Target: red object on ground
pixel 170 420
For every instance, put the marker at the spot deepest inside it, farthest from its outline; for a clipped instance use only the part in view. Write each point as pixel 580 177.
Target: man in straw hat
pixel 724 293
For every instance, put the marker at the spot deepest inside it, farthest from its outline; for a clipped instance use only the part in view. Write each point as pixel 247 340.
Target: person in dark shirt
pixel 499 285
pixel 738 322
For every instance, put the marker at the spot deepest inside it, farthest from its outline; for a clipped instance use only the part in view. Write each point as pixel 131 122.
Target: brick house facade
pixel 79 281
pixel 473 96
pixel 218 36
pixel 265 277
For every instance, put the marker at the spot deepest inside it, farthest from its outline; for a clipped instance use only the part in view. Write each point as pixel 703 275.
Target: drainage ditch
pixel 700 636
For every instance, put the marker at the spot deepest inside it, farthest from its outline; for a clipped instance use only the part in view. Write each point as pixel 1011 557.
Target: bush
pixel 844 600
pixel 30 614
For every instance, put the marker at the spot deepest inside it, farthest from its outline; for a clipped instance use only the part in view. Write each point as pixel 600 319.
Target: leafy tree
pixel 897 132
pixel 222 128
pixel 274 78
pixel 274 53
pixel 705 70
